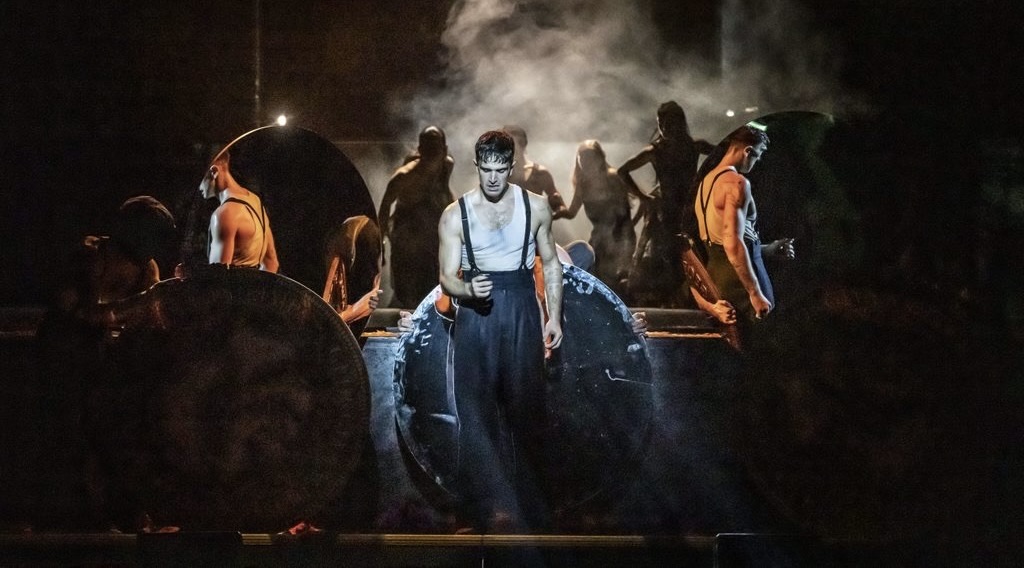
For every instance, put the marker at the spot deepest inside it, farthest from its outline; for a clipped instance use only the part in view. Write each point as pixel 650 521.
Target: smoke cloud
pixel 569 70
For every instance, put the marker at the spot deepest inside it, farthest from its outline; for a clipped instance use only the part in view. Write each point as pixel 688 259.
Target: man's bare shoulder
pixel 645 155
pixel 452 212
pixel 540 169
pixel 541 176
pixel 733 187
pixel 402 172
pixel 227 208
pixel 539 204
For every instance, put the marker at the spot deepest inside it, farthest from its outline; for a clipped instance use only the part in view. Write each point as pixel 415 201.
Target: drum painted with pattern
pixel 599 394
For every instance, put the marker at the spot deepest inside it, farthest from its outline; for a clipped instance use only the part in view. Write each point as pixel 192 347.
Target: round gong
pixel 599 389
pixel 233 400
pixel 309 188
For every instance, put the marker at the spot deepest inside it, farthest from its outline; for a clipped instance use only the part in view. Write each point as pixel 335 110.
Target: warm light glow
pixel 282 120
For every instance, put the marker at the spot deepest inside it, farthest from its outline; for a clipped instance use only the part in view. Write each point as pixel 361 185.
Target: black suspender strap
pixel 255 215
pixel 259 216
pixel 465 236
pixel 526 237
pixel 704 203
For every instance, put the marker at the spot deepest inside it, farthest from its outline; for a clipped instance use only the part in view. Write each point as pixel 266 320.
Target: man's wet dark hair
pixel 495 145
pixel 747 135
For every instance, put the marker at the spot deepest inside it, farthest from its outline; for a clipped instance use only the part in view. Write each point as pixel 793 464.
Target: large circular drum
pixel 310 189
pixel 233 400
pixel 599 395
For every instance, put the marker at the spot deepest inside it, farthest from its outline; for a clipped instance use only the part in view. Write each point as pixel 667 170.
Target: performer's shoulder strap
pixel 526 237
pixel 465 234
pixel 704 203
pixel 261 216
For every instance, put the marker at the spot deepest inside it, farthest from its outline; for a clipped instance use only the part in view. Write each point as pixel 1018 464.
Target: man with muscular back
pixel 726 217
pixel 240 234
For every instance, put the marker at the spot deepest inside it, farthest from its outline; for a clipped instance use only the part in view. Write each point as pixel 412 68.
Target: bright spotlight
pixel 282 120
pixel 730 113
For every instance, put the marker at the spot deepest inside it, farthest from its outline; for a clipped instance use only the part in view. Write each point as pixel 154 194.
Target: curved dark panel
pixel 230 400
pixel 599 395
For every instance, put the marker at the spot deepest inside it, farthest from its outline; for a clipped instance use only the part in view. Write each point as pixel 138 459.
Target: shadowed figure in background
pixel 532 176
pixel 726 217
pixel 240 234
pixel 605 198
pixel 489 241
pixel 353 265
pixel 110 268
pixel 674 155
pixel 70 341
pixel 418 192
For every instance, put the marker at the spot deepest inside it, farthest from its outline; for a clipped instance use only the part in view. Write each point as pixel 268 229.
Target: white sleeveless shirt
pixel 501 249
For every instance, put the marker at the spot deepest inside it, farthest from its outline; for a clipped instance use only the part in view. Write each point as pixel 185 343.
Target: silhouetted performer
pixel 532 176
pixel 489 241
pixel 605 199
pixel 108 268
pixel 353 267
pixel 674 155
pixel 71 346
pixel 418 191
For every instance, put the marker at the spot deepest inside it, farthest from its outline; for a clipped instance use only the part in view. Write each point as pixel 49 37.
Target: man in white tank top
pixel 240 232
pixel 489 240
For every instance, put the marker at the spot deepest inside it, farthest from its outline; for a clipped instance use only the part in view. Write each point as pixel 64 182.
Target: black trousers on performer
pixel 500 396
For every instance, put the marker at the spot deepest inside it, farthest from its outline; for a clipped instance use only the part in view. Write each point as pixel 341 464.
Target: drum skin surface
pixel 233 399
pixel 599 395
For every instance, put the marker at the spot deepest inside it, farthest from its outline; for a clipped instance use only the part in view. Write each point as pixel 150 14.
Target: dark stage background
pixel 890 381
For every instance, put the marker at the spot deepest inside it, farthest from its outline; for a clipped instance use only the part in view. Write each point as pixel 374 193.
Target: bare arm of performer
pixel 637 161
pixel 363 307
pixel 703 146
pixel 223 230
pixel 390 195
pixel 543 178
pixel 270 263
pixel 575 203
pixel 736 198
pixel 552 268
pixel 780 248
pixel 450 256
pixel 720 310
